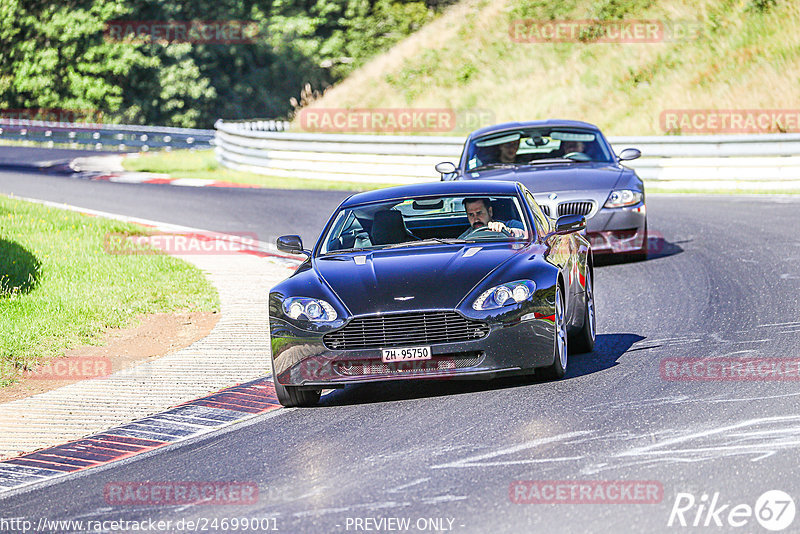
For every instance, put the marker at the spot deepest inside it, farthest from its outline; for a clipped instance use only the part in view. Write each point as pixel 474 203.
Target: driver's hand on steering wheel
pixel 497 226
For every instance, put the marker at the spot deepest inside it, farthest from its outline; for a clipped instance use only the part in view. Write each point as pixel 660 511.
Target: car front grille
pixel 545 209
pixel 438 363
pixel 406 329
pixel 583 207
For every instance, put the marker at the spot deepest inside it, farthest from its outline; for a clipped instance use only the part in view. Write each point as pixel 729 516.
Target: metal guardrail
pixel 247 145
pixel 120 137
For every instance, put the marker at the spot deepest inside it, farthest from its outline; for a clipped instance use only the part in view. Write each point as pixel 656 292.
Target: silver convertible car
pixel 571 169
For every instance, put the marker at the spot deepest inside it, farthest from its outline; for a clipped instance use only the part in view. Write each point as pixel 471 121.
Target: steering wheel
pixel 480 229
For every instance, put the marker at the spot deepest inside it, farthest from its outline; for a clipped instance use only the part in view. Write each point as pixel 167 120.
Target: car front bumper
pixel 300 357
pixel 618 230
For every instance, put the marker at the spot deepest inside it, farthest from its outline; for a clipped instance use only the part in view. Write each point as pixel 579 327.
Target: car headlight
pixel 305 308
pixel 504 295
pixel 623 197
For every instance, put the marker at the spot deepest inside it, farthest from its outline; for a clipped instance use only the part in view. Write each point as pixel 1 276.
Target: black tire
pixel 558 368
pixel 583 341
pixel 293 396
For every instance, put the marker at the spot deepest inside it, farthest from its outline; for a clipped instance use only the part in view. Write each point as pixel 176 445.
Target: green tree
pixel 57 56
pixel 54 56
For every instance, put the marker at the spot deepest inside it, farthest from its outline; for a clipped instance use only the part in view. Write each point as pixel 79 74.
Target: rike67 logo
pixel 774 510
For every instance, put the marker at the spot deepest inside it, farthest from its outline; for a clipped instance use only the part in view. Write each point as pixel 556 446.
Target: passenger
pixel 479 213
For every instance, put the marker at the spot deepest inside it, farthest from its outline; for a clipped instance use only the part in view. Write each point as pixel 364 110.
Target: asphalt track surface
pixel 32 157
pixel 725 283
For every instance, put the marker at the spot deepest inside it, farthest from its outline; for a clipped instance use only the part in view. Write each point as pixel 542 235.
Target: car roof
pixel 456 188
pixel 550 123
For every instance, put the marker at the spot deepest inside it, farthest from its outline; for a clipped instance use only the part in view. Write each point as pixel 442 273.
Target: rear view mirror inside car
pixel 428 204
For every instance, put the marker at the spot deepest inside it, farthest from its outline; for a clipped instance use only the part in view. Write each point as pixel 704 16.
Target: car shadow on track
pixel 608 349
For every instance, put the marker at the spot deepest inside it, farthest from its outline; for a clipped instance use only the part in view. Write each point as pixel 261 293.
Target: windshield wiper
pixel 494 166
pixel 427 241
pixel 346 250
pixel 549 160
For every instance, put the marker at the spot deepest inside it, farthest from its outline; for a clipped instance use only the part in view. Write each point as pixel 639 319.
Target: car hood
pixel 436 277
pixel 558 176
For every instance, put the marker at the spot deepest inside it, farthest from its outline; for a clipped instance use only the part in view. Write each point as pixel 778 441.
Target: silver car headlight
pixel 623 197
pixel 505 295
pixel 309 309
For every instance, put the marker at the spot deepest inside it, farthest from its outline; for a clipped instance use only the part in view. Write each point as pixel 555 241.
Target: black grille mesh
pixel 440 362
pixel 421 328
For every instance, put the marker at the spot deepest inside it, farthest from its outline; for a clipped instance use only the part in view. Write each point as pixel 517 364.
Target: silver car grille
pixel 581 207
pixel 575 207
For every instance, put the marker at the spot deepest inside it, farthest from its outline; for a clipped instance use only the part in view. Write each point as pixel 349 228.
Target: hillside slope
pixel 744 54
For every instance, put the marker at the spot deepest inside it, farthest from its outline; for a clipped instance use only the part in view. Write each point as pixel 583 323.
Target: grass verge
pixel 59 288
pixel 713 55
pixel 203 164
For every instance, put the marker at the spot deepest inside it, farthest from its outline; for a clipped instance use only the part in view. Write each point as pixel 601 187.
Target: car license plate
pixel 406 354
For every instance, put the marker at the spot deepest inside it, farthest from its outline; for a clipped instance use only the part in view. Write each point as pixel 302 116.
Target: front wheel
pixel 584 340
pixel 559 366
pixel 293 396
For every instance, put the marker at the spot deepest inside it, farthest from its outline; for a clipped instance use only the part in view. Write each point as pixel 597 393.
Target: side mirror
pixel 567 224
pixel 444 168
pixel 291 244
pixel 629 154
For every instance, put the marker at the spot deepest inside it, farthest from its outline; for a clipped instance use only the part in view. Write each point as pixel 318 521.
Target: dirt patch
pixel 155 335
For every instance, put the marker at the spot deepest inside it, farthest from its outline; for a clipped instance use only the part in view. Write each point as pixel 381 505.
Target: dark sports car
pixel 404 284
pixel 571 169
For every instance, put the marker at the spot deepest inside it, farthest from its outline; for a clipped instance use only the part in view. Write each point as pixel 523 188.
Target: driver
pixel 570 147
pixel 479 213
pixel 508 152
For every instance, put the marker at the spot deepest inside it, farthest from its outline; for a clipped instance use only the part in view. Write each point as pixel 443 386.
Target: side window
pixel 542 224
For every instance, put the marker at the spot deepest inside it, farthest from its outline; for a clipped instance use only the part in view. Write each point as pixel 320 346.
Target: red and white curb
pixel 109 169
pixel 201 416
pixel 148 178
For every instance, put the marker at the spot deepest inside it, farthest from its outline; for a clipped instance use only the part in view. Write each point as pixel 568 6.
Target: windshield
pixel 539 145
pixel 426 221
